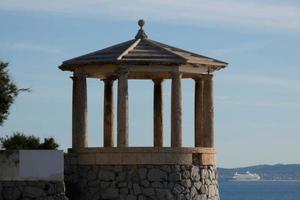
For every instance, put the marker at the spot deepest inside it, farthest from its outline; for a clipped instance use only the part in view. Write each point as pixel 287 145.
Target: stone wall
pixel 29 190
pixel 97 182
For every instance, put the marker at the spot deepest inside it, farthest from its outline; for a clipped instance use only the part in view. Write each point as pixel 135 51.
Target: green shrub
pixel 49 143
pixel 21 141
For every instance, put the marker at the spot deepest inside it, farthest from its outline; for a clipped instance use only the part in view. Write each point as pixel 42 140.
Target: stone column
pixel 176 111
pixel 199 132
pixel 108 117
pixel 74 111
pixel 123 108
pixel 208 110
pixel 79 113
pixel 158 113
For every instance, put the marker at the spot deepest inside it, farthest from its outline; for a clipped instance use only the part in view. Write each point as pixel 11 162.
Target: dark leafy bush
pixel 21 141
pixel 49 143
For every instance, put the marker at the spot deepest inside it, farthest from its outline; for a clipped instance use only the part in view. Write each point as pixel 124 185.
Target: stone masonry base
pixel 139 182
pixel 29 190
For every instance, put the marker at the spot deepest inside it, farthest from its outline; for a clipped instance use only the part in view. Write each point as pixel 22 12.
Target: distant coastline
pixel 278 172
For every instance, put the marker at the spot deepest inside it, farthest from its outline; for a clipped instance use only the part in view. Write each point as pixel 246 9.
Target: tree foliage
pixel 21 141
pixel 8 92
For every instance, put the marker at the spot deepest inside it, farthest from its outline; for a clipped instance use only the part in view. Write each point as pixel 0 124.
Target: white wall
pixel 32 165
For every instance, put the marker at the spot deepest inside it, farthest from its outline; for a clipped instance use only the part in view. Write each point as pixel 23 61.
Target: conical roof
pixel 141 51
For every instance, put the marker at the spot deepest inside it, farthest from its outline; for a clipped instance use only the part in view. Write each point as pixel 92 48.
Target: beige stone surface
pixel 145 155
pixel 123 107
pixel 176 111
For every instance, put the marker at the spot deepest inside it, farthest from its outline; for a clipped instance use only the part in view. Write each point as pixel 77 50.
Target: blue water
pixel 260 190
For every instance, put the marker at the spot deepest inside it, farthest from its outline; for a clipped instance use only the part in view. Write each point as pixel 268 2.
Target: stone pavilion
pixel 118 171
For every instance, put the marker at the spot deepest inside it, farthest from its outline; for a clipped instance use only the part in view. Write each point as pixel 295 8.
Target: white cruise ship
pixel 245 177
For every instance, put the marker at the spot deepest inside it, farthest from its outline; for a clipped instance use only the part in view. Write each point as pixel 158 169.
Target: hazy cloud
pixel 261 100
pixel 30 46
pixel 263 81
pixel 263 14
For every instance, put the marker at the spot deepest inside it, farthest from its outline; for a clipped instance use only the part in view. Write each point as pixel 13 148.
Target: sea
pixel 260 190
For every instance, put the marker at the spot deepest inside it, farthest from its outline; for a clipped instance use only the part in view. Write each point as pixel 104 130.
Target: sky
pixel 257 97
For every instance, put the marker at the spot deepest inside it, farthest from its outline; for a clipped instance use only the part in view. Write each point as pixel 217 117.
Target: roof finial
pixel 141 33
pixel 141 23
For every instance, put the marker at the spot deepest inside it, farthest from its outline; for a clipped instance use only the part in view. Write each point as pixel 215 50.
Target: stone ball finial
pixel 141 23
pixel 141 33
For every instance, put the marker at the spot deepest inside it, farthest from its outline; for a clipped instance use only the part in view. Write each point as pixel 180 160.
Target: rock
pixel 121 176
pixel 186 174
pixel 33 192
pixel 142 173
pixel 157 185
pixel 118 168
pixel 211 191
pixel 171 185
pixel 164 194
pixel 131 197
pixel 203 189
pixel 166 168
pixel 175 168
pixel 91 175
pixel 175 177
pixel 204 173
pixel 145 183
pixel 110 193
pixel 157 175
pixel 203 197
pixel 141 197
pixel 181 197
pixel 123 191
pixel 207 181
pixel 122 184
pixel 106 175
pixel 188 196
pixel 104 184
pixel 194 171
pixel 211 174
pixel 197 185
pixel 136 189
pixel 11 193
pixel 94 183
pixel 193 191
pixel 186 183
pixel 178 188
pixel 148 191
pixel 134 178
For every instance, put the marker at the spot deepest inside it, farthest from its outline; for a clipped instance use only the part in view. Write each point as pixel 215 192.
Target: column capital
pixel 176 73
pixel 203 77
pixel 108 80
pixel 122 70
pixel 157 80
pixel 198 78
pixel 207 76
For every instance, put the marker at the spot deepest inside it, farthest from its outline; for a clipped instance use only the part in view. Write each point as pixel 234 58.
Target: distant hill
pixel 266 172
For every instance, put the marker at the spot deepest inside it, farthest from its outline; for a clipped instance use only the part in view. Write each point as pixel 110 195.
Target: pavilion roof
pixel 141 51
